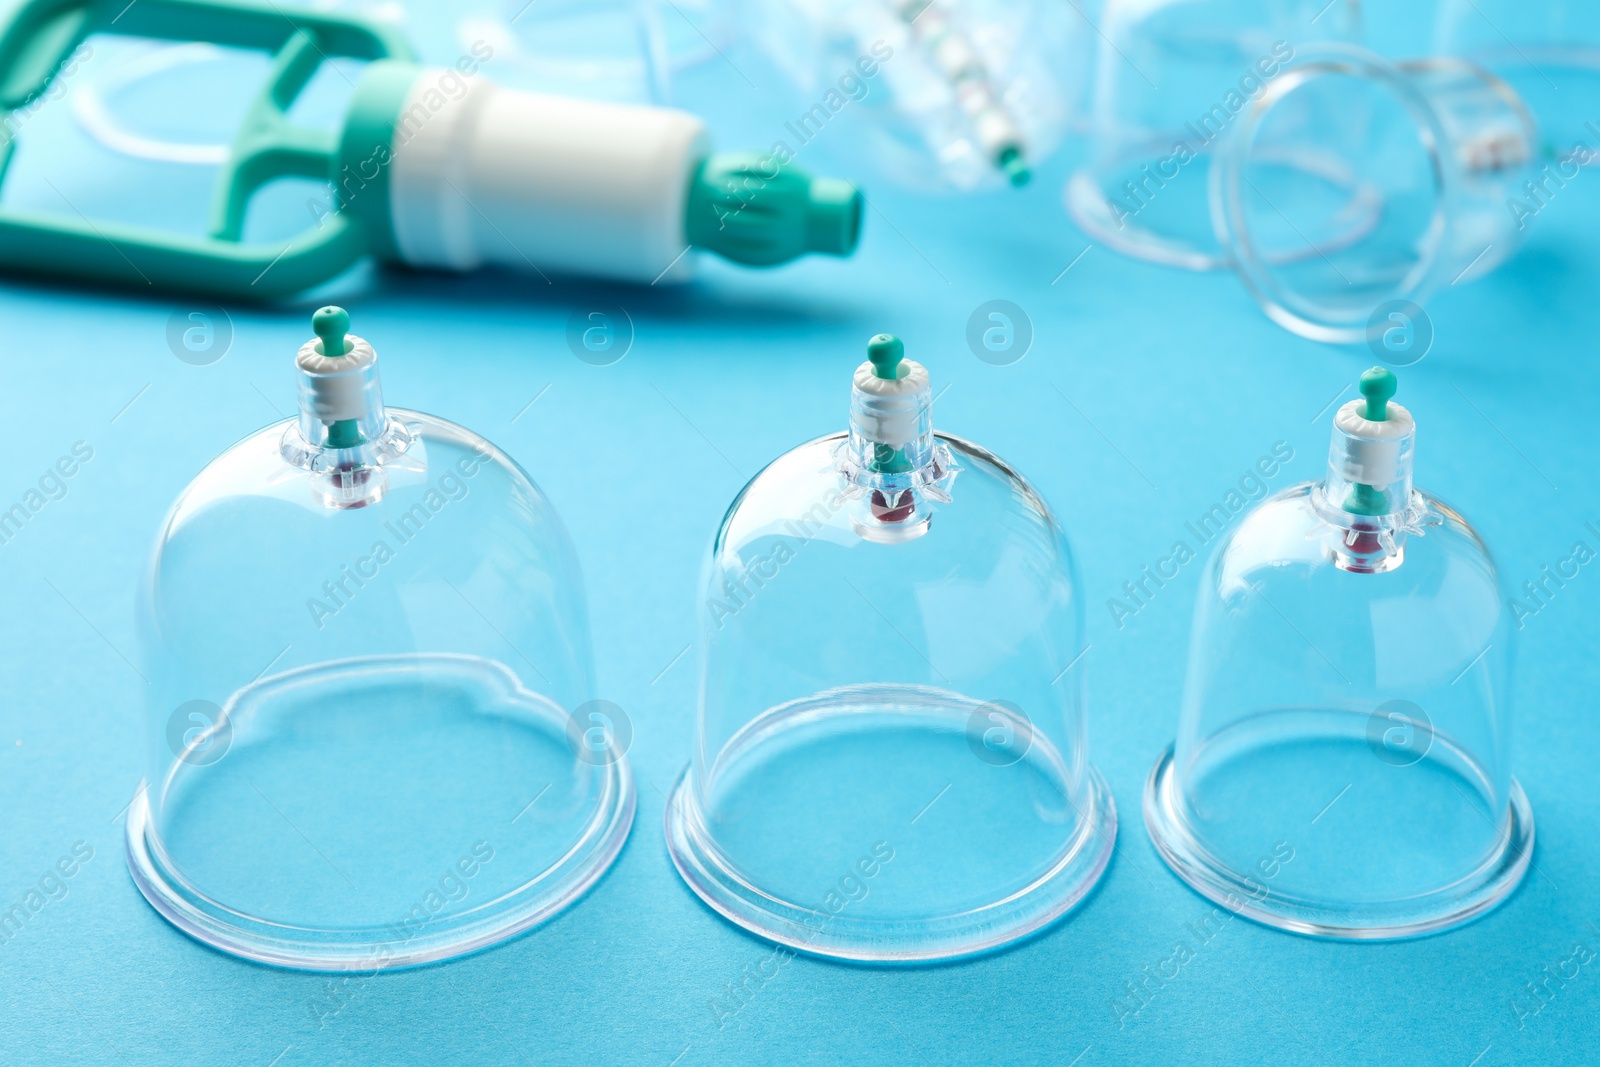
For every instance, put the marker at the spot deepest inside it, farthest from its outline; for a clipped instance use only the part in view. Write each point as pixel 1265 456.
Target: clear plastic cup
pixel 1352 189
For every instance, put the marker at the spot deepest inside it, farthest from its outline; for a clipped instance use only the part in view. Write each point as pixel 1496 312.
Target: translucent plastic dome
pixel 1549 52
pixel 1342 765
pixel 1170 78
pixel 623 50
pixel 936 94
pixel 1436 152
pixel 368 654
pixel 889 760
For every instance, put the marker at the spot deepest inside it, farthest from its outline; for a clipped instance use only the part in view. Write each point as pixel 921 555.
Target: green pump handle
pixel 38 36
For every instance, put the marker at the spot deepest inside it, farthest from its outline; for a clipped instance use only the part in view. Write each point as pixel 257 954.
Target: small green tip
pixel 833 217
pixel 346 433
pixel 1365 500
pixel 762 211
pixel 1378 385
pixel 1014 165
pixel 331 324
pixel 886 353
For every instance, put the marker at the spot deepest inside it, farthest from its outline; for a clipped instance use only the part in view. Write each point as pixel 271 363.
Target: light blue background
pixel 1146 395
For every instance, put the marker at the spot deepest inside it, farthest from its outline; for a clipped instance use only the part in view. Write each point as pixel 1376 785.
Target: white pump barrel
pixel 532 181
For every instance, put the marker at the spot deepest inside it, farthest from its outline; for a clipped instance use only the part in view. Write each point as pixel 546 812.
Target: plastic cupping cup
pixel 1548 52
pixel 889 761
pixel 939 95
pixel 1342 765
pixel 371 701
pixel 1171 77
pixel 1352 189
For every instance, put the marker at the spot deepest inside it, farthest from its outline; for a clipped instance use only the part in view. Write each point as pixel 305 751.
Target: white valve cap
pixel 1367 452
pixel 338 384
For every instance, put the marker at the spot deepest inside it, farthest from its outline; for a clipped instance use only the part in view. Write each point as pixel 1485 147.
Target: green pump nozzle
pixel 754 210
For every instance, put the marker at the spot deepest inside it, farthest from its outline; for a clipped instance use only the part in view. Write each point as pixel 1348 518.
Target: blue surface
pixel 642 457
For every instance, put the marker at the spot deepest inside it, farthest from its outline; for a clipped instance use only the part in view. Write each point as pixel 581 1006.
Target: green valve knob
pixel 1378 385
pixel 1014 165
pixel 1365 500
pixel 331 324
pixel 887 354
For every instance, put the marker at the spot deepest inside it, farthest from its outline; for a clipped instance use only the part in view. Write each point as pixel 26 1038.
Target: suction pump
pixel 435 168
